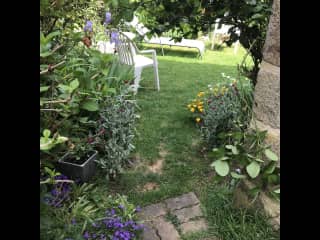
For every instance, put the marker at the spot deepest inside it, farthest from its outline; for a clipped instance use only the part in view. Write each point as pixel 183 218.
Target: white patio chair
pixel 129 54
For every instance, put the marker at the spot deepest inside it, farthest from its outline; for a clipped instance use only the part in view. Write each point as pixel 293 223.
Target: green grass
pixel 165 125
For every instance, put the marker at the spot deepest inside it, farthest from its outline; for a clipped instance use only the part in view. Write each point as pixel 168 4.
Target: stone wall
pixel 267 90
pixel 267 103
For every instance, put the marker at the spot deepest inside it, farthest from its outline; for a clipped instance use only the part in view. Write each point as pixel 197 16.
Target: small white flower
pixel 209 86
pixel 238 171
pixel 210 89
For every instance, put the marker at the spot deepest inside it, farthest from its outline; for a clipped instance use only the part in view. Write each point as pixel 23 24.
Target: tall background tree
pixel 188 18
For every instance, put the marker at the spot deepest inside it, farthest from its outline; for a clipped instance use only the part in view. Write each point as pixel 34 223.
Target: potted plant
pixel 79 163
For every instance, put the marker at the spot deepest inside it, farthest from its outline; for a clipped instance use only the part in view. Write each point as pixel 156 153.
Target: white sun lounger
pixel 190 43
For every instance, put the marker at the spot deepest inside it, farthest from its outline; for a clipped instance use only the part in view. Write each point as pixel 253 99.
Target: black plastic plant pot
pixel 75 171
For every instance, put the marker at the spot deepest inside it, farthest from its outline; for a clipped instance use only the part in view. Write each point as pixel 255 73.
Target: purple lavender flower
pixel 86 235
pixel 114 37
pixel 108 18
pixel 138 209
pixel 121 206
pixel 73 221
pixel 88 26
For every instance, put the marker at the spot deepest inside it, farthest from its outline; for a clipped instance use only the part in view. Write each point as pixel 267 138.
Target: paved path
pixel 184 211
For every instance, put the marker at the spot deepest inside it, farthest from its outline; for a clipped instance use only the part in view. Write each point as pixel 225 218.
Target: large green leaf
pixel 253 169
pixel 90 105
pixel 221 167
pixel 271 155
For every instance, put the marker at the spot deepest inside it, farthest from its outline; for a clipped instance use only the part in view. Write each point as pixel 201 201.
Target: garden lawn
pixel 169 143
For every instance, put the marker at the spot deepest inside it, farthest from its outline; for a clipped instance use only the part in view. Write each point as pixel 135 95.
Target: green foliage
pixel 250 17
pixel 245 155
pixel 222 107
pixel 117 125
pixel 46 143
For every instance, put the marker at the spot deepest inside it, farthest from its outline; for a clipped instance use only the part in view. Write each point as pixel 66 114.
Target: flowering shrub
pixel 220 108
pixel 59 193
pixel 117 224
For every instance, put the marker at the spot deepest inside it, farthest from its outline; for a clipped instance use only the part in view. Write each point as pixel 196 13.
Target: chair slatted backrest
pixel 126 49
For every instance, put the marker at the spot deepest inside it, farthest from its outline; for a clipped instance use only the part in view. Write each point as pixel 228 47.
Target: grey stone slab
pixel 182 201
pixel 185 214
pixel 166 230
pixel 149 233
pixel 194 226
pixel 152 211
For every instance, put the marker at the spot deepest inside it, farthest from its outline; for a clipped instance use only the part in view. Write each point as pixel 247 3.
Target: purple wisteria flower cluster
pixel 60 192
pixel 114 227
pixel 108 18
pixel 88 27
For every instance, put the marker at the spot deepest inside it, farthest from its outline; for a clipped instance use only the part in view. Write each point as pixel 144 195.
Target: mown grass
pixel 165 126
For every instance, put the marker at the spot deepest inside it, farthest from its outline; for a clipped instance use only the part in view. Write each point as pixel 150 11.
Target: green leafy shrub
pixel 222 107
pixel 117 129
pixel 77 210
pixel 244 155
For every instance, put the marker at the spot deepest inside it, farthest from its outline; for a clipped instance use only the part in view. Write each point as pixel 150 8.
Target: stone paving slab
pixel 185 214
pixel 149 233
pixel 182 201
pixel 152 211
pixel 185 207
pixel 166 230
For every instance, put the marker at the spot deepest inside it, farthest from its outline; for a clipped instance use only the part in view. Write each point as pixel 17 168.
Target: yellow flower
pixel 192 109
pixel 198 119
pixel 200 94
pixel 194 105
pixel 201 110
pixel 189 105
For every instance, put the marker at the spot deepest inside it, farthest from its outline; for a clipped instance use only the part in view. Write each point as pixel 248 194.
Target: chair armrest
pixel 154 53
pixel 148 51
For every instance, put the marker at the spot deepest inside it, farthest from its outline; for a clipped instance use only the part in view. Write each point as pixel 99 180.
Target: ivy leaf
pixel 221 167
pixel 253 169
pixel 271 155
pixel 90 105
pixel 277 191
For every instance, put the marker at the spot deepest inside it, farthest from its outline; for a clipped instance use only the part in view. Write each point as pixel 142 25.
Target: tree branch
pixel 53 67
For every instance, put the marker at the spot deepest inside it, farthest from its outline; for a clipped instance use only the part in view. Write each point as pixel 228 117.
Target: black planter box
pixel 83 171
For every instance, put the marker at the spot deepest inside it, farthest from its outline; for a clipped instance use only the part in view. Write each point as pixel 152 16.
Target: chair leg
pixel 137 77
pixel 156 76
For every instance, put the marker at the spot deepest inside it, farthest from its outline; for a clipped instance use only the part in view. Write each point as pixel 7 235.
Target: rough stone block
pixel 267 95
pixel 149 233
pixel 271 49
pixel 165 229
pixel 182 201
pixel 185 214
pixel 152 211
